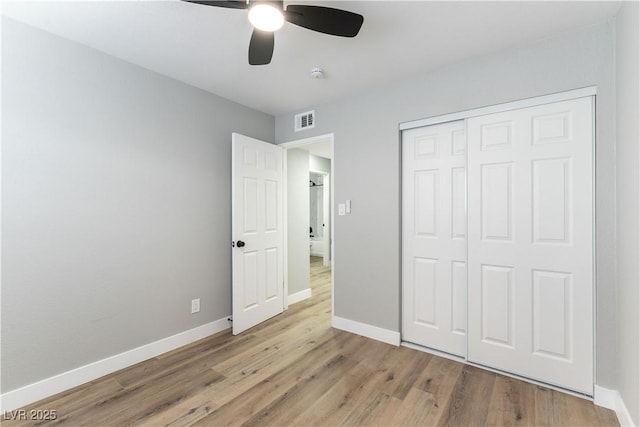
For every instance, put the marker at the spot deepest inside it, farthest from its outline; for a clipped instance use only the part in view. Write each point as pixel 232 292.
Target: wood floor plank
pixel 470 398
pixel 205 352
pixel 135 405
pixel 339 401
pixel 239 409
pixel 437 381
pixel 295 369
pixel 606 417
pixel 182 414
pixel 234 386
pixel 579 414
pixel 72 402
pixel 549 408
pixel 376 409
pixel 272 349
pixel 512 403
pixel 387 412
pixel 417 409
pixel 303 394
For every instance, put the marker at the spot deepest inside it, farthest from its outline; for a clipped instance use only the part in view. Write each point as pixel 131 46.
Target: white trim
pixel 312 140
pixel 611 399
pixel 299 296
pixel 624 417
pixel 605 397
pixel 498 108
pixel 285 228
pixel 58 383
pixel 594 249
pixel 369 331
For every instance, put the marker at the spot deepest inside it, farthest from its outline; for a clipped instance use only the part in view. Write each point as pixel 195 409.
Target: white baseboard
pixel 369 331
pixel 48 387
pixel 605 397
pixel 611 399
pixel 624 417
pixel 299 296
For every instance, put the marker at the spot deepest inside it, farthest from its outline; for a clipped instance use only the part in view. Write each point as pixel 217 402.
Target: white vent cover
pixel 305 121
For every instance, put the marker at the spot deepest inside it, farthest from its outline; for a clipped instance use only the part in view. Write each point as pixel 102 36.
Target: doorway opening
pixel 308 194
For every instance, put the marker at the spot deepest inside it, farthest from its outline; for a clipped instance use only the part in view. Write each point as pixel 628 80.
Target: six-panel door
pixel 434 242
pixel 530 242
pixel 510 258
pixel 257 290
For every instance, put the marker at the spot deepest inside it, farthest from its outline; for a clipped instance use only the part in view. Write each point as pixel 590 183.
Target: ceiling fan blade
pixel 336 22
pixel 232 4
pixel 261 47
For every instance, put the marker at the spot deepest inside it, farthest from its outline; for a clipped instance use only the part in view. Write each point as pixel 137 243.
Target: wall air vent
pixel 305 121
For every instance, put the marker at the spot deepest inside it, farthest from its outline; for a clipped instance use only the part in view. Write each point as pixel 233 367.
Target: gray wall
pixel 298 219
pixel 628 212
pixel 116 204
pixel 367 165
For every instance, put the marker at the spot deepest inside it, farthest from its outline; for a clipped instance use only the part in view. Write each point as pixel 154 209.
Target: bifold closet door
pixel 530 242
pixel 434 228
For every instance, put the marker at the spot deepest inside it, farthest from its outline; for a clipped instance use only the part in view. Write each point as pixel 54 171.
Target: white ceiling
pixel 207 46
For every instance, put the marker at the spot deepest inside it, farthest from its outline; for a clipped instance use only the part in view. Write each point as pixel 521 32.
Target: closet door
pixel 530 174
pixel 434 227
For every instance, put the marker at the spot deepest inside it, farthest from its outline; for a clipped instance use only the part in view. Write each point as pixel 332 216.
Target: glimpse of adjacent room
pixel 309 219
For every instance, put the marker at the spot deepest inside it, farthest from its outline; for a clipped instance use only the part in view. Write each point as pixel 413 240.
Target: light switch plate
pixel 341 209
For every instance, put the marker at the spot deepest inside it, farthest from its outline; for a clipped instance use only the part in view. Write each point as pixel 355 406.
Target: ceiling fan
pixel 269 16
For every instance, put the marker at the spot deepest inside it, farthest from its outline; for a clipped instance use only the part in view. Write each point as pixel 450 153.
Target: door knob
pixel 240 244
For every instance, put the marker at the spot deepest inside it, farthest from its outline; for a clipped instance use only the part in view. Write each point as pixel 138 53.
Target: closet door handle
pixel 240 244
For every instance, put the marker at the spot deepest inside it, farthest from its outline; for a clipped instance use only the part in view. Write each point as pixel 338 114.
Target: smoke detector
pixel 317 73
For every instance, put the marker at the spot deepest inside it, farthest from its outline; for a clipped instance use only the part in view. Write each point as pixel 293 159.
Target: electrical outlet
pixel 195 305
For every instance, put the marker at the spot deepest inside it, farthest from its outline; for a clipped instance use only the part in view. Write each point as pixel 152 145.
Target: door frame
pixel 297 144
pixel 499 108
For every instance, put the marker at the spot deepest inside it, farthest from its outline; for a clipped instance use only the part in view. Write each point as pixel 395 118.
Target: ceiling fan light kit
pixel 269 16
pixel 266 17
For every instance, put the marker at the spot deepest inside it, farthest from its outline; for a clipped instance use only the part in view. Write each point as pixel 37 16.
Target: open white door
pixel 257 232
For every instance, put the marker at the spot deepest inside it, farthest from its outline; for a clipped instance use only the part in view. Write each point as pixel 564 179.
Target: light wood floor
pixel 297 370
